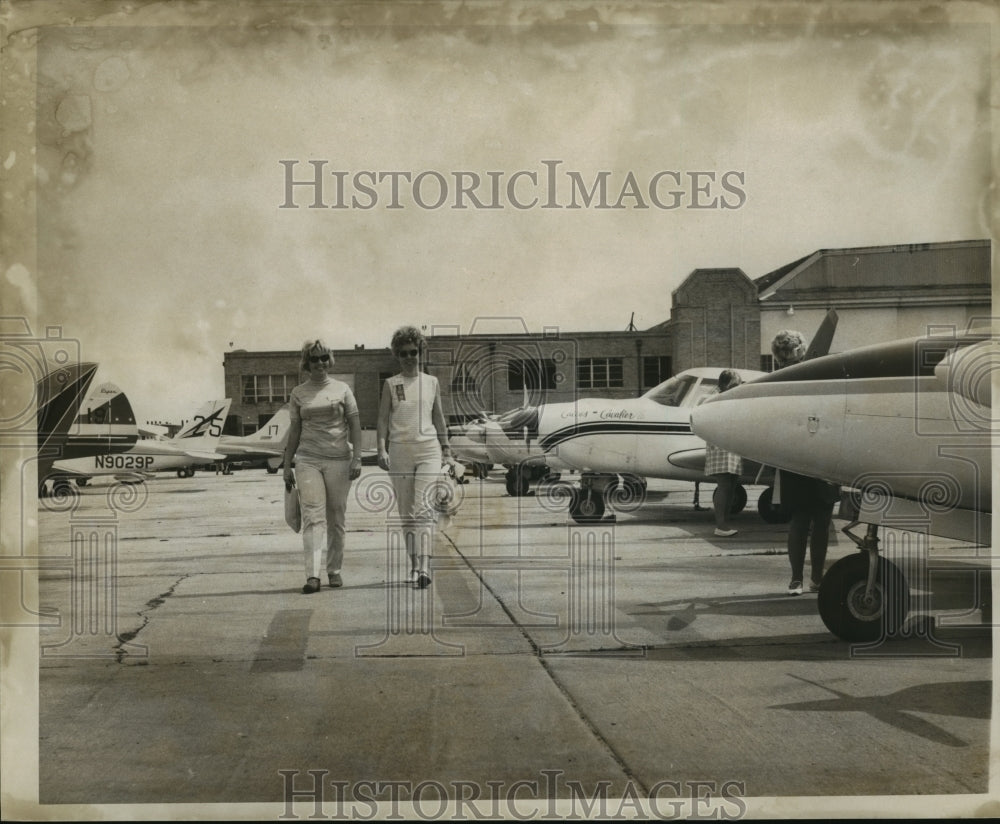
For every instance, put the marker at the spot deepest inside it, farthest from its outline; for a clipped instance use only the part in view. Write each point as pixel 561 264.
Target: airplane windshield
pixel 705 390
pixel 684 390
pixel 673 391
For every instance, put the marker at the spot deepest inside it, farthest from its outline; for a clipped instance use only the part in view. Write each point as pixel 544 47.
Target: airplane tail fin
pixel 275 429
pixel 820 344
pixel 104 422
pixel 59 394
pixel 207 422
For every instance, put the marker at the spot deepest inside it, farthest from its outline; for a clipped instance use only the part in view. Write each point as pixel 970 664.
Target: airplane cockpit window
pixel 673 391
pixel 705 390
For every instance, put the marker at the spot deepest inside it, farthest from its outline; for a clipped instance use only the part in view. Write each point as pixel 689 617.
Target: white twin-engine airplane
pixel 195 444
pixel 635 438
pixel 602 438
pixel 906 424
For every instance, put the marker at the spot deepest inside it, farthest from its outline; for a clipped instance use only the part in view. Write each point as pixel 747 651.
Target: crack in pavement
pixel 559 685
pixel 144 613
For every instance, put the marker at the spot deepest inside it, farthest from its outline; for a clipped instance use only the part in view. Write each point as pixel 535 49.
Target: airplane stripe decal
pixel 613 428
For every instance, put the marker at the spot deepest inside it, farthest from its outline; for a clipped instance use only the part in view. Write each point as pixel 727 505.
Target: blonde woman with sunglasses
pixel 325 441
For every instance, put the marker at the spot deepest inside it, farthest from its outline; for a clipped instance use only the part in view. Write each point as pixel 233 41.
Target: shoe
pixel 423 580
pixel 336 580
pixel 311 586
pixel 724 533
pixel 813 586
pixel 795 588
pixel 413 576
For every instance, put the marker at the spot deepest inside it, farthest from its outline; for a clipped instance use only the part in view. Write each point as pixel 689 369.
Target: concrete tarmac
pixel 637 666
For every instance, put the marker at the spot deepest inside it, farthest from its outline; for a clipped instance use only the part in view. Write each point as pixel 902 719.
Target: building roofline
pixel 769 284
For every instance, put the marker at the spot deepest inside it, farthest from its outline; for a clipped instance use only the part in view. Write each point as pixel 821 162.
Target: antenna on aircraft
pixel 631 324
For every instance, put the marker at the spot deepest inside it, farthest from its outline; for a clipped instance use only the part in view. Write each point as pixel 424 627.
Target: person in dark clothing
pixel 810 502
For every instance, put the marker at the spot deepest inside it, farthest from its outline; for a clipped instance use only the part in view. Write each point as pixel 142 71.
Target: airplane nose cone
pixel 712 422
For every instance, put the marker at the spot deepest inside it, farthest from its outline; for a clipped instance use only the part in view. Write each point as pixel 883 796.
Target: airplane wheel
pixel 61 488
pixel 517 482
pixel 271 471
pixel 772 513
pixel 739 500
pixel 843 607
pixel 634 485
pixel 627 494
pixel 586 505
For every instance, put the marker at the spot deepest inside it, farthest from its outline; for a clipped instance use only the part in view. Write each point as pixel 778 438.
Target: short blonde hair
pixel 788 347
pixel 313 347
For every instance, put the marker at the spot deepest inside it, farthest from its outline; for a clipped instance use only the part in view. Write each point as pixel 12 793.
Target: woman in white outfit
pixel 412 441
pixel 325 440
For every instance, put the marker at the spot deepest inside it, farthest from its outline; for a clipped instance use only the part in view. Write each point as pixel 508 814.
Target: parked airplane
pixel 634 439
pixel 602 438
pixel 267 443
pixel 195 444
pixel 906 424
pixel 58 395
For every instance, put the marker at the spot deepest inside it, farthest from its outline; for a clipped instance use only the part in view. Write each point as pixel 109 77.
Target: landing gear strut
pixel 864 597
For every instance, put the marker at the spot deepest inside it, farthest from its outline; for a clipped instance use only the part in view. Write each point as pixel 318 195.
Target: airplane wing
pixel 207 457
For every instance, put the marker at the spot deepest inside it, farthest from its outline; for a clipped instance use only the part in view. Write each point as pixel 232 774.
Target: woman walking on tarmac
pixel 324 439
pixel 412 439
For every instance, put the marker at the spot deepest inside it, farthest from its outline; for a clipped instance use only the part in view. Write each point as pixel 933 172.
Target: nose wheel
pixel 864 597
pixel 586 505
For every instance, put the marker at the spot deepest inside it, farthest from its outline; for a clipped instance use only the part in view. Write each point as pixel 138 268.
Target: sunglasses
pixel 409 353
pixel 319 359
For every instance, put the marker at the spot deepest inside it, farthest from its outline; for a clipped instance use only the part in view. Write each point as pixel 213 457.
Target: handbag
pixel 293 514
pixel 446 495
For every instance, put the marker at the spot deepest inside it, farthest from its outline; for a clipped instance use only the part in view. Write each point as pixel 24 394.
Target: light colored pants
pixel 323 489
pixel 413 469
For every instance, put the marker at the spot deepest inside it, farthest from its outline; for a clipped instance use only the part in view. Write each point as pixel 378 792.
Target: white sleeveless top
pixel 412 404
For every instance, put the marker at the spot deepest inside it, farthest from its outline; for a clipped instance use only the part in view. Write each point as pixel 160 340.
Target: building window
pixel 268 388
pixel 767 363
pixel 655 370
pixel 530 374
pixel 599 373
pixel 463 380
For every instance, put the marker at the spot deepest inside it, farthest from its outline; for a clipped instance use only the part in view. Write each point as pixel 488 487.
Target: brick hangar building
pixel 718 317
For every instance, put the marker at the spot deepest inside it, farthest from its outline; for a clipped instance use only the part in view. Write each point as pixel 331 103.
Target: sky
pixel 165 234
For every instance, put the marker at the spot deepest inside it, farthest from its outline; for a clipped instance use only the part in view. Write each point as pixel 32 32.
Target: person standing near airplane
pixel 324 438
pixel 412 443
pixel 724 468
pixel 809 500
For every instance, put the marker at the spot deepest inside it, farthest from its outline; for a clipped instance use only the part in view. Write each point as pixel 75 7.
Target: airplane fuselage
pixel 649 436
pixel 873 419
pixel 147 456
